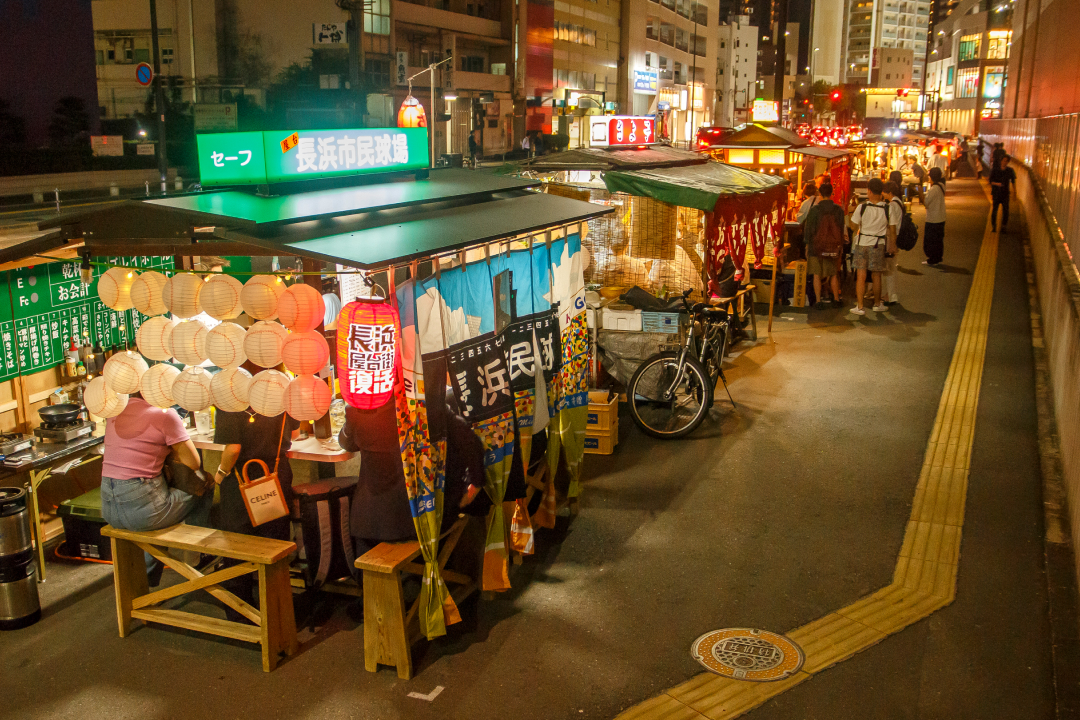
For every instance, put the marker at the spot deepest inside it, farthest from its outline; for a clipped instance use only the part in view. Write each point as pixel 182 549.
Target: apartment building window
pixel 377 17
pixel 665 68
pixel 683 8
pixel 967 81
pixel 472 63
pixel 575 34
pixel 498 68
pixel 680 74
pixel 969 48
pixel 377 71
pixel 697 45
pixel 667 33
pixel 166 56
pixel 682 40
pixel 669 4
pixel 949 76
pixel 699 13
pixel 652 31
pixel 998 47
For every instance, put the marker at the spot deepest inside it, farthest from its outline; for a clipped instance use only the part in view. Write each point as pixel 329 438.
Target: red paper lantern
pixel 368 353
pixel 411 114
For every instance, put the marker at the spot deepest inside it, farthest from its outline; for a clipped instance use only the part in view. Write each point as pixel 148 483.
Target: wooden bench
pixel 389 630
pixel 274 626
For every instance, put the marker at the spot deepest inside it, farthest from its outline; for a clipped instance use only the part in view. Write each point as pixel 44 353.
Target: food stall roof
pixel 755 135
pixel 610 159
pixel 696 186
pixel 822 152
pixel 368 226
pixel 259 210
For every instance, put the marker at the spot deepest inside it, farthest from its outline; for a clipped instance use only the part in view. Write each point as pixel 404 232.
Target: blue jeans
pixel 150 504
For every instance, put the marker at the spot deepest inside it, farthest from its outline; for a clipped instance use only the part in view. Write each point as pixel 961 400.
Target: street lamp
pixel 431 69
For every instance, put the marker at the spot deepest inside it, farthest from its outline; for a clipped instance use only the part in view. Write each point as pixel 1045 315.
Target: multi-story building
pixel 968 66
pixel 736 71
pixel 873 25
pixel 677 42
pixel 894 68
pixel 826 41
pixel 214 53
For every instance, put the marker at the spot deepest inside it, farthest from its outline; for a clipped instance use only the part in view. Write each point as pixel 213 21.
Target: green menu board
pixel 49 305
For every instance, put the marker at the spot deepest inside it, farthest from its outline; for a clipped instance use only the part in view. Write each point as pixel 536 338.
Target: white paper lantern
pixel 146 293
pixel 305 353
pixel 100 399
pixel 114 288
pixel 191 389
pixel 220 297
pixel 229 389
pixel 225 345
pixel 181 295
pixel 260 296
pixel 123 371
pixel 301 308
pixel 156 385
pixel 266 394
pixel 263 342
pixel 153 337
pixel 307 398
pixel 187 341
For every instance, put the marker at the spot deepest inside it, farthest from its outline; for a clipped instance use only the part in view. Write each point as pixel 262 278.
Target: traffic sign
pixel 144 74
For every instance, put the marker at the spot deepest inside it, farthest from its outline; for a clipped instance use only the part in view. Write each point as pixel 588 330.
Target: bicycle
pixel 671 392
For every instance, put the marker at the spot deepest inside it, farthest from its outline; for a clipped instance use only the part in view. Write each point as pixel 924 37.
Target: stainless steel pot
pixel 19 603
pixel 16 547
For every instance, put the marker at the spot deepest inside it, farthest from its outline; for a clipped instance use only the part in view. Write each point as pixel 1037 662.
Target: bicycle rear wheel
pixel 667 404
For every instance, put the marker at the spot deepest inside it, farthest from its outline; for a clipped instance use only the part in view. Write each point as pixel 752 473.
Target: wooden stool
pixel 274 626
pixel 390 631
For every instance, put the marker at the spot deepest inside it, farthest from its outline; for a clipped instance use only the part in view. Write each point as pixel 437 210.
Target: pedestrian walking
pixel 891 193
pixel 1000 178
pixel 874 235
pixel 824 231
pixel 934 229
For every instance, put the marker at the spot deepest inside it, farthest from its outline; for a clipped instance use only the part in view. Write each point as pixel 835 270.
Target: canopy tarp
pixel 822 152
pixel 761 136
pixel 695 186
pixel 608 159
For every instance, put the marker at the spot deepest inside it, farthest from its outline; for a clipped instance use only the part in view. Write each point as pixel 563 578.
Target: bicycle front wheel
pixel 667 402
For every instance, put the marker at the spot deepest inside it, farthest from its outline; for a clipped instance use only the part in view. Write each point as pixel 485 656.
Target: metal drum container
pixel 16 546
pixel 19 603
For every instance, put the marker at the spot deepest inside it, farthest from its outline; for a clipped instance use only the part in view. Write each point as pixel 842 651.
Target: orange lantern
pixel 368 353
pixel 411 114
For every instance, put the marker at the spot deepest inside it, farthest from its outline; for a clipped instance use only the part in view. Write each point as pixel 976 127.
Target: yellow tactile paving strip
pixel 925 576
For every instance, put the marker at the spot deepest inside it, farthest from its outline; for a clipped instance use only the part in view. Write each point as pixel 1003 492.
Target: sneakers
pixel 858 311
pixel 881 307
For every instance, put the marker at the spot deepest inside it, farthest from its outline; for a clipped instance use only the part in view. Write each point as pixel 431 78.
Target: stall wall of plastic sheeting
pixel 645 242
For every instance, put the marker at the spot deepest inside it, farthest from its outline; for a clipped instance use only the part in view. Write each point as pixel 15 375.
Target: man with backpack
pixel 899 217
pixel 824 232
pixel 934 229
pixel 873 236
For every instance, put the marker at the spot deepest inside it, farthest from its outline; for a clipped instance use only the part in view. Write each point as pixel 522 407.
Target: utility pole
pixel 355 37
pixel 780 79
pixel 159 100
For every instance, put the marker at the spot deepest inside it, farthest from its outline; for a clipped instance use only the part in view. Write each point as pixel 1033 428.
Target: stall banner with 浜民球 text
pixel 49 305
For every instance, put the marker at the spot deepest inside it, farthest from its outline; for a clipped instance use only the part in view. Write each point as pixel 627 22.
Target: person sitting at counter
pixel 246 436
pixel 134 493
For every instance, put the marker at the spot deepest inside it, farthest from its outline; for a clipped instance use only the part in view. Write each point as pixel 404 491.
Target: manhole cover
pixel 746 654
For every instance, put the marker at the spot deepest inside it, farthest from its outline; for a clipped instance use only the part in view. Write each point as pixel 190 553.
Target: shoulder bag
pixel 263 496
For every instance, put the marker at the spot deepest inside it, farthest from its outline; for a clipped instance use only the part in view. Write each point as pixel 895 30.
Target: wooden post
pixel 777 259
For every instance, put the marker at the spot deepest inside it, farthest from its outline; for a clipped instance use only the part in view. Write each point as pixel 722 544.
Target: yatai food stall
pixel 458 277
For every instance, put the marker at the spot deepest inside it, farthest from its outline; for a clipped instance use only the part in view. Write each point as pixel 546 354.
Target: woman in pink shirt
pixel 134 494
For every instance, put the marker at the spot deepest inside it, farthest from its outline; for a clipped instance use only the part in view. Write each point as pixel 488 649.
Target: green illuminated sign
pixel 258 158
